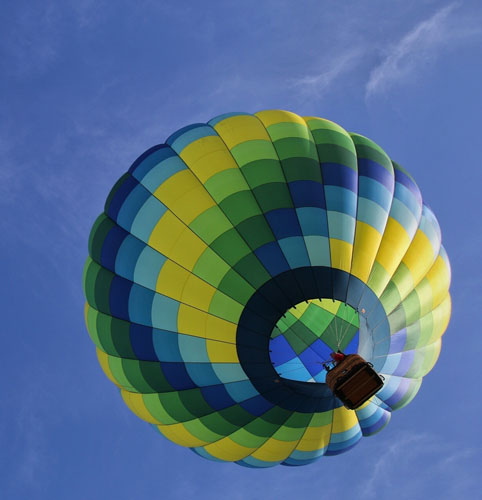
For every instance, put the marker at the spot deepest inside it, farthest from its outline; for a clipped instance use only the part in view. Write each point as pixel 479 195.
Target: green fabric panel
pixel 334 138
pixel 316 319
pixel 366 148
pixel 297 344
pixel 378 277
pixel 409 395
pixel 114 333
pixel 411 306
pixel 97 286
pixel 174 407
pixel 248 151
pixel 236 415
pixel 240 206
pixel 332 153
pixel 92 329
pixel 194 402
pixel 263 428
pixel 145 376
pixel 210 224
pixel 310 172
pixel 322 418
pixel 231 247
pixel 225 307
pixel 287 433
pixel 295 147
pixel 286 321
pixel 426 326
pixel 216 423
pixel 225 183
pixel 397 319
pixel 246 438
pixel 210 267
pixel 199 430
pixel 153 403
pixel 250 268
pixel 302 333
pixel 118 372
pixel 273 196
pixel 424 292
pixel 288 129
pixel 99 231
pixel 276 415
pixel 255 231
pixel 348 314
pixel 236 287
pixel 260 172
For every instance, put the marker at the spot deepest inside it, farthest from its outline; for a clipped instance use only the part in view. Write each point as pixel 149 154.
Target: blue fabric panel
pixel 403 216
pixel 131 206
pixel 110 247
pixel 164 312
pixel 398 341
pixel 312 361
pixel 147 218
pixel 177 376
pixel 193 349
pixel 148 267
pixel 313 221
pixel 372 214
pixel 140 305
pixel 128 256
pixel 413 203
pixel 163 171
pixel 283 223
pixel 372 190
pixel 272 258
pixel 202 374
pixel 148 160
pixel 281 351
pixel 318 248
pixel 119 298
pixel 307 194
pixel 257 405
pixel 229 372
pixel 217 397
pixel 123 190
pixel 341 226
pixel 141 342
pixel 342 200
pixel 335 174
pixel 183 138
pixel 166 345
pixel 294 249
pixel 370 168
pixel 241 391
pixel 402 178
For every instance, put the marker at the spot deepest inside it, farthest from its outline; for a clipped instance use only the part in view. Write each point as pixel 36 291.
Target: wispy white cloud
pixel 316 85
pixel 419 47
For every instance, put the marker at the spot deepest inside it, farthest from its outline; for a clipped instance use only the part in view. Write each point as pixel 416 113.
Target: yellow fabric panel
pixel 184 195
pixel 221 352
pixel 300 309
pixel 439 278
pixel 343 419
pixel 315 438
pixel 191 321
pixel 207 156
pixel 227 449
pixel 188 248
pixel 367 241
pixel 136 404
pixel 166 233
pixel 271 117
pixel 237 129
pixel 104 364
pixel 341 253
pixel 419 257
pixel 329 305
pixel 180 435
pixel 274 450
pixel 393 247
pixel 220 329
pixel 171 280
pixel 197 293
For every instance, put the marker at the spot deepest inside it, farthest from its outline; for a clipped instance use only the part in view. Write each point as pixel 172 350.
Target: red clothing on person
pixel 337 356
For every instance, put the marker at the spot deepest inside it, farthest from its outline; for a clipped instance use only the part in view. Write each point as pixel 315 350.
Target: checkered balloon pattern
pixel 232 259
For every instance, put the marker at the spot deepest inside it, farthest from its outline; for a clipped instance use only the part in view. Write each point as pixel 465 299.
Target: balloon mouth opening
pixel 303 338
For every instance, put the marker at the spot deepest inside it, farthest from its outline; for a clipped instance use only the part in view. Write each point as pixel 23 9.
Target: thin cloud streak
pixel 419 46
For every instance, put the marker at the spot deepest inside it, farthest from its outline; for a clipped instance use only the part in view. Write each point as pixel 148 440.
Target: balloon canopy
pixel 231 260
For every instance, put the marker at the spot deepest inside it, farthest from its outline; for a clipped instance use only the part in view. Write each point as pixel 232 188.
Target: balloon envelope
pixel 231 260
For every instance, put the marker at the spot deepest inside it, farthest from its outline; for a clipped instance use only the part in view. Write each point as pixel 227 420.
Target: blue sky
pixel 87 86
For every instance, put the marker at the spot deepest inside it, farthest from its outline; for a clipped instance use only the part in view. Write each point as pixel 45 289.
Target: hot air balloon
pixel 232 260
